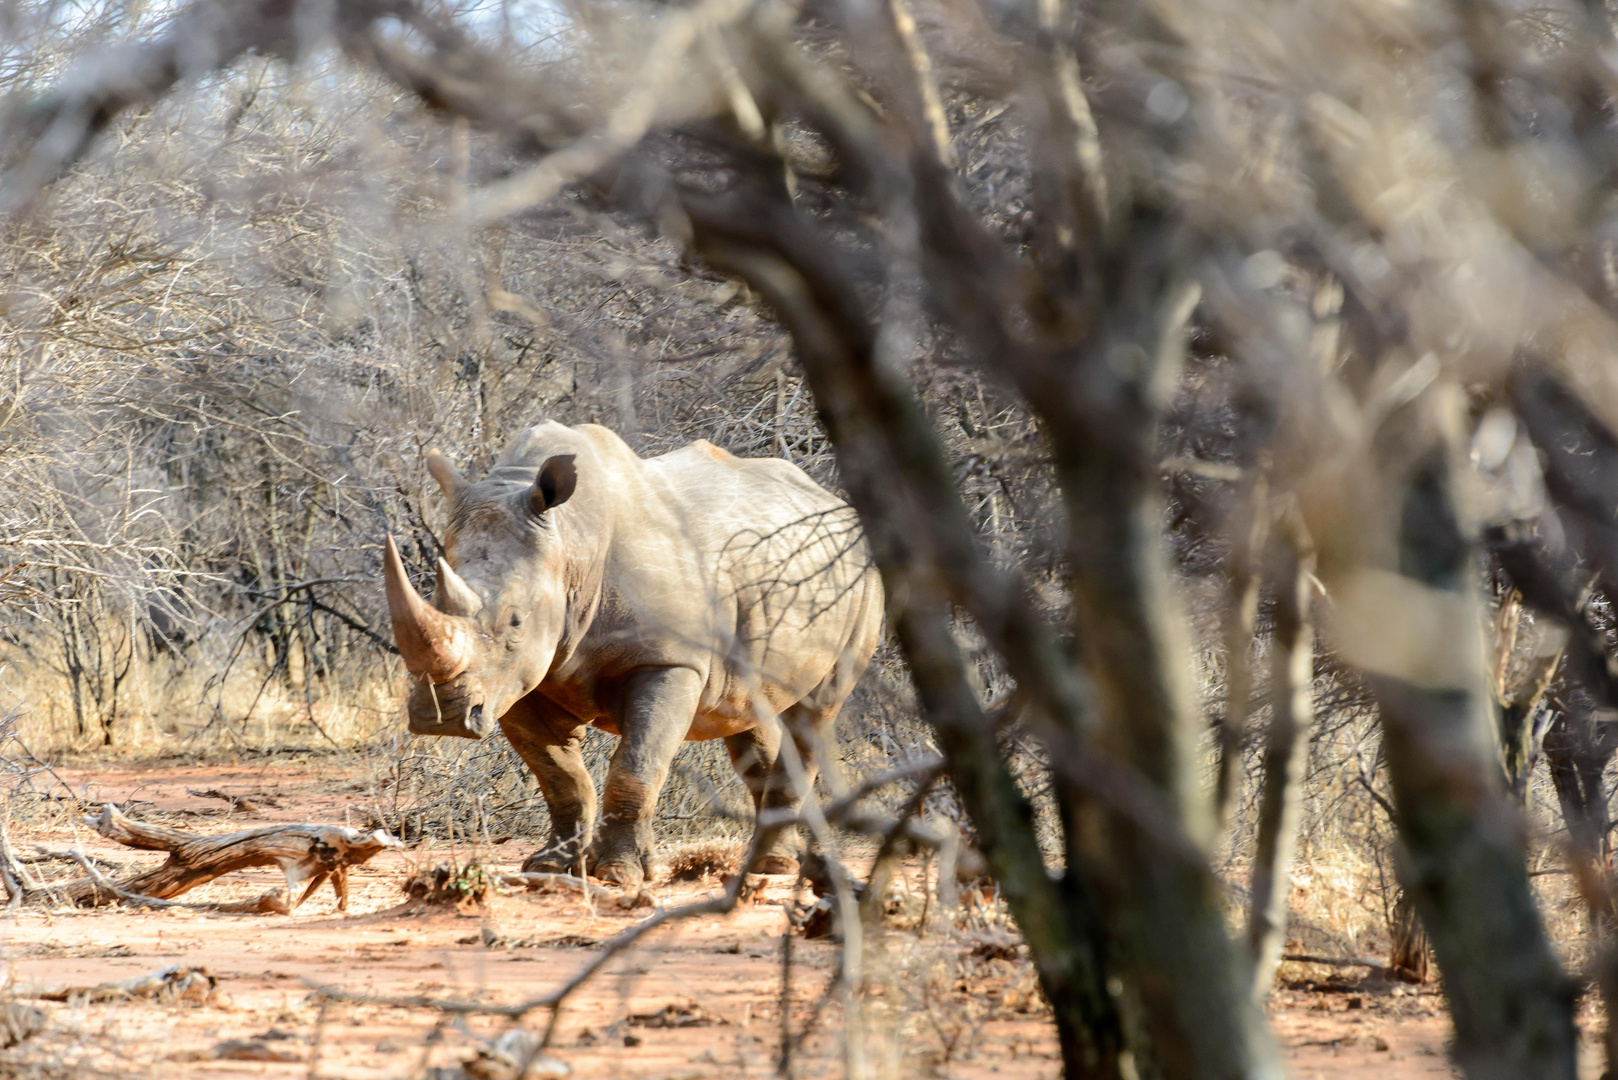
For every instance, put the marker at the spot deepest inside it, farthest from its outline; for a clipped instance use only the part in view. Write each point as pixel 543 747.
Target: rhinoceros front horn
pixel 432 643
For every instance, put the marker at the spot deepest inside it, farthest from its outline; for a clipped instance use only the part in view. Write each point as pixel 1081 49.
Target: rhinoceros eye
pixel 516 620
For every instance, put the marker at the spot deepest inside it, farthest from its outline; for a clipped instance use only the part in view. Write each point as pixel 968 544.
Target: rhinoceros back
pixel 784 561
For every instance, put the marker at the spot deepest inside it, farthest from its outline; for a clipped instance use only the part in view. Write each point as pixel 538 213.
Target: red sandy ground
pixel 965 1024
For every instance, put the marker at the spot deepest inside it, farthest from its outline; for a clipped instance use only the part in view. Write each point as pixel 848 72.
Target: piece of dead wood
pixel 676 1015
pixel 78 952
pixel 518 1054
pixel 237 802
pixel 19 1022
pixel 273 902
pixel 536 882
pixel 817 920
pixel 305 853
pixel 1335 961
pixel 249 1050
pixel 490 938
pixel 45 855
pixel 176 984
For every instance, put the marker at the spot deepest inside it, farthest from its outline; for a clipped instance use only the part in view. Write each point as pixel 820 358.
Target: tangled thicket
pixel 1136 334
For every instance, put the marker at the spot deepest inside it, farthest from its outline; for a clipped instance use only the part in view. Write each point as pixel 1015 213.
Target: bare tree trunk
pixel 1516 706
pixel 1521 738
pixel 73 664
pixel 1135 644
pixel 1578 748
pixel 1550 564
pixel 123 641
pixel 1240 614
pixel 917 528
pixel 1512 1005
pixel 1286 756
pixel 1167 910
pixel 1409 950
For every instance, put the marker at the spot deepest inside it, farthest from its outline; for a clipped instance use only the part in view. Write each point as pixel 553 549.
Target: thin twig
pixel 532 880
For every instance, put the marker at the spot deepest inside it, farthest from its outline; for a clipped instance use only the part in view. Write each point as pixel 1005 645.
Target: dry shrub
pixel 481 791
pixel 930 991
pixel 462 886
pixel 242 613
pixel 702 860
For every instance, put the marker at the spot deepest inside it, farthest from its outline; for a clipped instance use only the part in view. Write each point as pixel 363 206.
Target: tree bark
pixel 1135 644
pixel 1464 867
pixel 1241 613
pixel 1286 755
pixel 921 541
pixel 1166 910
pixel 1517 705
pixel 1409 950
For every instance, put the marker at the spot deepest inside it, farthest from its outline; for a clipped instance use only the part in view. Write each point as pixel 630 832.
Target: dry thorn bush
pixel 1138 335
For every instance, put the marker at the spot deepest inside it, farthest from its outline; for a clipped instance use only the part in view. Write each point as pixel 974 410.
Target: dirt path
pixel 941 1006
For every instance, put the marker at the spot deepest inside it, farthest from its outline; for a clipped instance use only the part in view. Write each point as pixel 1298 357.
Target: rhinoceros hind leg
pixel 756 754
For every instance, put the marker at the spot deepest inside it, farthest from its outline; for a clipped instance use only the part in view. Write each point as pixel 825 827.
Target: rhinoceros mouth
pixel 447 714
pixel 469 725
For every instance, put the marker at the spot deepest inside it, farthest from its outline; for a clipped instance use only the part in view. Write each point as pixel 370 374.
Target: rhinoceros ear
pixel 554 484
pixel 448 476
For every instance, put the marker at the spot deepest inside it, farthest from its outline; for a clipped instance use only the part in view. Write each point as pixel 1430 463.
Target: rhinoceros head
pixel 490 634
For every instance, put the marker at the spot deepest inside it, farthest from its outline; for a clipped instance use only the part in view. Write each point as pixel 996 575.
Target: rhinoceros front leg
pixel 551 742
pixel 653 721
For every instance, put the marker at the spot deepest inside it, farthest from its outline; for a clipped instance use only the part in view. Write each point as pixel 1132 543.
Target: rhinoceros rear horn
pixel 554 484
pixel 454 595
pixel 431 643
pixel 449 478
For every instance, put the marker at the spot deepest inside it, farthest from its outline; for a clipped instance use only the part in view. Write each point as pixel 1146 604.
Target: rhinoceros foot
pixel 546 861
pixel 626 864
pixel 625 873
pixel 557 855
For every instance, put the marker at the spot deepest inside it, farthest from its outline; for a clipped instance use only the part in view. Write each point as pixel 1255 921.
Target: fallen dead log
pixel 1335 961
pixel 177 983
pixel 304 852
pixel 237 802
pixel 273 902
pixel 518 1054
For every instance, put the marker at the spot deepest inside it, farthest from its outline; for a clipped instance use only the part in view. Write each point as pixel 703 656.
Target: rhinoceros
pixel 694 595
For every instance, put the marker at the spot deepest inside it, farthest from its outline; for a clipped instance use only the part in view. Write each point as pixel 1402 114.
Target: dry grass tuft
pixel 702 860
pixel 447 885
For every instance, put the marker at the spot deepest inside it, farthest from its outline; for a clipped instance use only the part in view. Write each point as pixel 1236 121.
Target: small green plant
pixel 451 885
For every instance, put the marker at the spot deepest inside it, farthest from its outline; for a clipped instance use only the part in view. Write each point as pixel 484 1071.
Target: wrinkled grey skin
pixel 694 595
